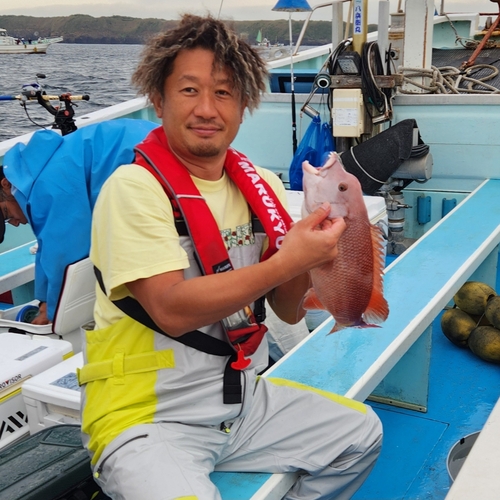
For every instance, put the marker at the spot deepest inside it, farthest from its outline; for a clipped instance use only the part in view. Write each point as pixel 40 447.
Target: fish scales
pixel 344 285
pixel 350 286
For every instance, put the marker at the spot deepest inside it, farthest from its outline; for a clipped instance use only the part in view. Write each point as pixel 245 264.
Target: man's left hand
pixel 41 318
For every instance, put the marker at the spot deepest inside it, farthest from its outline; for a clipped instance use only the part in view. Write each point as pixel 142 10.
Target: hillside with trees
pixel 81 28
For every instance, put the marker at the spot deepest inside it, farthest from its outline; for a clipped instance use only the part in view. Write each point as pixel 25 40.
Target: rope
pixel 450 80
pixel 468 43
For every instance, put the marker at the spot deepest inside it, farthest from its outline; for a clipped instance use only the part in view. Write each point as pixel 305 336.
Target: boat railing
pixel 134 108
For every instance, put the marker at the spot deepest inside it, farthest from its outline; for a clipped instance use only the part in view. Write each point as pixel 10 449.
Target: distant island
pixel 81 28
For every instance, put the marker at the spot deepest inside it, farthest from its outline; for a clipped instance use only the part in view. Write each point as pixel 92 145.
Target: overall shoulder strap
pixel 196 339
pixel 232 388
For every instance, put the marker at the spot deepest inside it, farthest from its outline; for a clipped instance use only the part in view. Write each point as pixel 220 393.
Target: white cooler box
pixel 9 323
pixel 22 357
pixel 375 205
pixel 53 397
pixel 377 213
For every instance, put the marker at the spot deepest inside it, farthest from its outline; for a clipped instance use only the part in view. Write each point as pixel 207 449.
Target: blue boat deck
pixel 463 391
pixel 413 461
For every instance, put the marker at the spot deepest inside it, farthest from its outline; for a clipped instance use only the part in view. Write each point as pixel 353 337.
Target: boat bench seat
pixel 17 270
pixel 391 363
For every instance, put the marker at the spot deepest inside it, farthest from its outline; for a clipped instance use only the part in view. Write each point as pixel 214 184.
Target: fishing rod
pixel 63 113
pixel 45 97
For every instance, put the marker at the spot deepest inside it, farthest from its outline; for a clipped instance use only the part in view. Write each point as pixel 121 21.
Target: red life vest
pixel 155 155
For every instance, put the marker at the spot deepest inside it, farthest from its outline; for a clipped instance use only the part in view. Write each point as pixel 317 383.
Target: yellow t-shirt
pixel 134 235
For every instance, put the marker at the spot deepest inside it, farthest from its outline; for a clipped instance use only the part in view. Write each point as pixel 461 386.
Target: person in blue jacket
pixel 52 183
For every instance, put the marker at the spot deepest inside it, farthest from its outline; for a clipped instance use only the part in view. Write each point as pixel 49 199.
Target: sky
pixel 239 10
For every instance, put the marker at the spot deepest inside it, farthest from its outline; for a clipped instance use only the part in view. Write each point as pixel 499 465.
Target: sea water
pixel 101 71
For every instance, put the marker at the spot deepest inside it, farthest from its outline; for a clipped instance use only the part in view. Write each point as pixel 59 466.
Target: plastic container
pixel 27 313
pixel 22 357
pixel 53 396
pixel 13 320
pixel 458 454
pixel 49 465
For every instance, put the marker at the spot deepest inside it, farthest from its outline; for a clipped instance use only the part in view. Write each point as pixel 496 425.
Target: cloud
pixel 230 9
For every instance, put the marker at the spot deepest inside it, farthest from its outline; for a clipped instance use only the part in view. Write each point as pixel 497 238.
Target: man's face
pixel 13 213
pixel 11 210
pixel 200 111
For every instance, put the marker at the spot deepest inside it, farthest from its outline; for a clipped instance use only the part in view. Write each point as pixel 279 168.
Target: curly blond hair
pixel 247 69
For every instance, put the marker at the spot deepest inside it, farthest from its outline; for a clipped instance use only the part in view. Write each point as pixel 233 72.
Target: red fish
pixel 350 287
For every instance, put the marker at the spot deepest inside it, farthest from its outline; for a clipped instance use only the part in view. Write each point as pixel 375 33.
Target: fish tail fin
pixel 377 309
pixel 311 301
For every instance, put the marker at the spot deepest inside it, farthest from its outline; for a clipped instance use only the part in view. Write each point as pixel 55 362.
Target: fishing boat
pixel 11 45
pixel 269 51
pixel 443 230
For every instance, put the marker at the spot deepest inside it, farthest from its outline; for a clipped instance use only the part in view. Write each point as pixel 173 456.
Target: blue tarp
pixel 56 181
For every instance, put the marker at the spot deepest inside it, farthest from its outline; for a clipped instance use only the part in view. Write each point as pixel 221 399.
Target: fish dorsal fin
pixel 377 309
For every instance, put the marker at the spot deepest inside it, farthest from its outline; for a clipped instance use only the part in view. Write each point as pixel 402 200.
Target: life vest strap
pixel 182 230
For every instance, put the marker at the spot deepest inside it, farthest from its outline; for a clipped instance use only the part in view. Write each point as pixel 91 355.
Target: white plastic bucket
pixel 458 453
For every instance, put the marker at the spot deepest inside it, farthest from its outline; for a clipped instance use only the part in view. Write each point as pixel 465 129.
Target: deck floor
pixel 462 393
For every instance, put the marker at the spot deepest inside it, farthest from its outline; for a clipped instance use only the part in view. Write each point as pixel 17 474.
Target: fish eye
pixel 342 187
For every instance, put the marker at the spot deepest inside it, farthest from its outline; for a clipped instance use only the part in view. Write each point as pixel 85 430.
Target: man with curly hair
pixel 187 241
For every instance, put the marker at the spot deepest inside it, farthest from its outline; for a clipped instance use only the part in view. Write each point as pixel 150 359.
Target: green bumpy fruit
pixel 473 297
pixel 484 341
pixel 457 326
pixel 492 311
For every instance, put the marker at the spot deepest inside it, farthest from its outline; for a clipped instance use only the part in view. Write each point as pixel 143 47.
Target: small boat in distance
pixel 269 51
pixel 11 45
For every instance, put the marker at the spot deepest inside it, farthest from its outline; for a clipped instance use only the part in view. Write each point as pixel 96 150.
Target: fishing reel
pixel 31 89
pixel 63 115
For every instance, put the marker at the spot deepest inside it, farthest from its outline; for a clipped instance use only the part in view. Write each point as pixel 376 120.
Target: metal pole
pixel 384 11
pixel 292 88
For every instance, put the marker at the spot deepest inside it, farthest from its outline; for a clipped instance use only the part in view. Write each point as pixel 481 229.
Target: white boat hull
pixel 35 47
